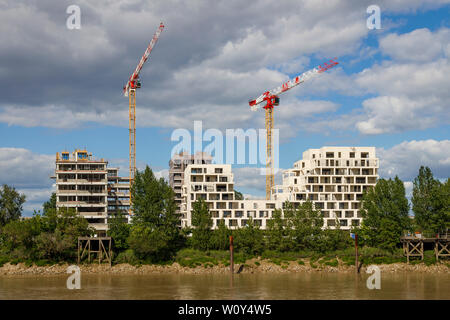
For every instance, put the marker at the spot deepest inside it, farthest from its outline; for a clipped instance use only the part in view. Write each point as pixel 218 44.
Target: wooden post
pixel 436 249
pixel 78 251
pixel 421 248
pixel 407 252
pixel 231 255
pixel 109 253
pixel 356 252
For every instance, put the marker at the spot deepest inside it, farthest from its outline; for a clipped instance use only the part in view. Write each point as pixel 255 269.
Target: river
pixel 406 285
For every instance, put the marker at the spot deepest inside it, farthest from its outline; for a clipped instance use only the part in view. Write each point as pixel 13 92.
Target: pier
pixel 413 246
pixel 99 246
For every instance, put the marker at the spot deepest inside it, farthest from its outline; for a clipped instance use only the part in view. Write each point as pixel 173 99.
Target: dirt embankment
pixel 251 266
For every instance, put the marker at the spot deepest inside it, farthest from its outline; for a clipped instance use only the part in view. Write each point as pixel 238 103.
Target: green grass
pixel 301 262
pixel 332 263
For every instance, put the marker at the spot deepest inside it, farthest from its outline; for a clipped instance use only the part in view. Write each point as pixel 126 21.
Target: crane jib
pixel 294 82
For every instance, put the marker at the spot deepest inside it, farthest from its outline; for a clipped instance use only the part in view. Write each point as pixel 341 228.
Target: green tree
pixel 385 212
pixel 59 232
pixel 304 225
pixel 10 204
pixel 202 223
pixel 50 204
pixel 430 202
pixel 220 238
pixel 276 232
pixel 249 239
pixel 154 234
pixel 238 195
pixel 119 230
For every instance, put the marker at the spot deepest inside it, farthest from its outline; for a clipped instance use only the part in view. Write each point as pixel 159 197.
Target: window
pixel 352 154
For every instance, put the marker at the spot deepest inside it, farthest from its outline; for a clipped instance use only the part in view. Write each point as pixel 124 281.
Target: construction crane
pixel 271 99
pixel 130 91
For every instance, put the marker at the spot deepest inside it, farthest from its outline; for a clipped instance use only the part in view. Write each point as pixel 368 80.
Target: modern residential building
pixel 87 185
pixel 177 166
pixel 214 183
pixel 333 178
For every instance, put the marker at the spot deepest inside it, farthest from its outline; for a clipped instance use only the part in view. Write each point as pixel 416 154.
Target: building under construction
pixel 91 188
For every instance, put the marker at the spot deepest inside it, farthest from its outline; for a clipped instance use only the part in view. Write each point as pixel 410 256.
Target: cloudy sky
pixel 62 89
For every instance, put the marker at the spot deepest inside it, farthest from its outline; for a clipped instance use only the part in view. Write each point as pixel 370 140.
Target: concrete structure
pixel 215 184
pixel 88 186
pixel 333 178
pixel 118 193
pixel 177 166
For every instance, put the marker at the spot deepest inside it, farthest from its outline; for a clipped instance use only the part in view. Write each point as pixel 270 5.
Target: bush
pixel 332 263
pixel 43 262
pixel 3 260
pixel 127 256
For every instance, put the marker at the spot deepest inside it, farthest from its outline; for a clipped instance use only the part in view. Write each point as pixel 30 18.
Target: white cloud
pixel 406 158
pixel 411 96
pixel 29 173
pixel 22 168
pixel 35 198
pixel 420 45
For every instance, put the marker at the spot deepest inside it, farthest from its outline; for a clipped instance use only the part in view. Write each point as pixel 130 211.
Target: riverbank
pixel 251 266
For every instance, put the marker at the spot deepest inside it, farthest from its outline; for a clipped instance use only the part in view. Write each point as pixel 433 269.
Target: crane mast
pixel 271 99
pixel 129 91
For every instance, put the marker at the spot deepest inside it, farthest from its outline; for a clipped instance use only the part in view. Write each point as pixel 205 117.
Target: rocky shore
pixel 251 266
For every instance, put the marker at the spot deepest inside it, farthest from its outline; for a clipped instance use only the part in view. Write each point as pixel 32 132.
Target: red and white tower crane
pixel 271 99
pixel 130 91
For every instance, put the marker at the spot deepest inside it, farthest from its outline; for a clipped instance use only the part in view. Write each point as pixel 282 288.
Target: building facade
pixel 333 178
pixel 177 166
pixel 87 185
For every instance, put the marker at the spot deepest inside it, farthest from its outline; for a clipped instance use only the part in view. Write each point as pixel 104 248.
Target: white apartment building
pixel 214 183
pixel 333 178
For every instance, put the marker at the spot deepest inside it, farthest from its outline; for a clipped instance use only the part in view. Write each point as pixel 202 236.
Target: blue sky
pixel 62 89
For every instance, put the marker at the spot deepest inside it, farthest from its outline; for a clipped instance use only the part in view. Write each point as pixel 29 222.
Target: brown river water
pixel 333 286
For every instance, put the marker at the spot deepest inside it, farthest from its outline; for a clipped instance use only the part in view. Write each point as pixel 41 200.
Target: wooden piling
pixel 231 255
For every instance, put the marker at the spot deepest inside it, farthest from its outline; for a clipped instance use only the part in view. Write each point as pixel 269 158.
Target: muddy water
pixel 406 285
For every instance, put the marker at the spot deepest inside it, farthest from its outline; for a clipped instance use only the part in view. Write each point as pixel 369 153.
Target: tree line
pixel 154 235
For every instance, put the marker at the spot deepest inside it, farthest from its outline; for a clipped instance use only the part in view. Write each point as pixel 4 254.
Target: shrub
pixel 127 256
pixel 3 260
pixel 332 263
